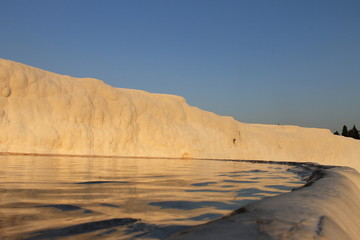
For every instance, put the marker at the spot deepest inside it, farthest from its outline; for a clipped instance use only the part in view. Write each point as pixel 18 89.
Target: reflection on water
pixel 118 198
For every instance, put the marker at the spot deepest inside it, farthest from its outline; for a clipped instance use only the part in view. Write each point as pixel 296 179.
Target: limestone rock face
pixel 47 113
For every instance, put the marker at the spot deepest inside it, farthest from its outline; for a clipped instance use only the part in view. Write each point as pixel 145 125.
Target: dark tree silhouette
pixel 357 134
pixel 354 133
pixel 344 131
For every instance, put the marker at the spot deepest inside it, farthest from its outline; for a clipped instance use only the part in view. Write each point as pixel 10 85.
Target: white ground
pixel 47 113
pixel 43 112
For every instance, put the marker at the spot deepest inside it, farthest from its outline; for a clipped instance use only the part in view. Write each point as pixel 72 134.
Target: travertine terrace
pixel 47 113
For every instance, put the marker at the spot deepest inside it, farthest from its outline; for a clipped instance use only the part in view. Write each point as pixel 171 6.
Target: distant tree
pixel 345 131
pixel 357 133
pixel 354 133
pixel 336 133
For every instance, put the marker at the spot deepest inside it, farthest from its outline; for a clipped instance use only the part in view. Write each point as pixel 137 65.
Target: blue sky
pixel 260 61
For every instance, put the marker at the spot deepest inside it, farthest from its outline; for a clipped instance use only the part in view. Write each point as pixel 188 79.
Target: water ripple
pixel 81 228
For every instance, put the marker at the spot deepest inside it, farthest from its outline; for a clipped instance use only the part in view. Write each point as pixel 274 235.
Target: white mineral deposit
pixel 47 113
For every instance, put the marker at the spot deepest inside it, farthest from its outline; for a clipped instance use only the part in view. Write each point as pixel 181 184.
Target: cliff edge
pixel 47 113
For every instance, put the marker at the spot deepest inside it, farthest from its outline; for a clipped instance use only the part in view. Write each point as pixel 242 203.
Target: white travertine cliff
pixel 47 113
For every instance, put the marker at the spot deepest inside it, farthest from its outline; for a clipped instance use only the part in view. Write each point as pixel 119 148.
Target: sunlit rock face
pixel 47 113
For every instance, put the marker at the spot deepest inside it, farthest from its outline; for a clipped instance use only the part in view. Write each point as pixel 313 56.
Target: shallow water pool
pixel 126 198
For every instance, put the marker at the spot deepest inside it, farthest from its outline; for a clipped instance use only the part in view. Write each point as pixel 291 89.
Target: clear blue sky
pixel 280 61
